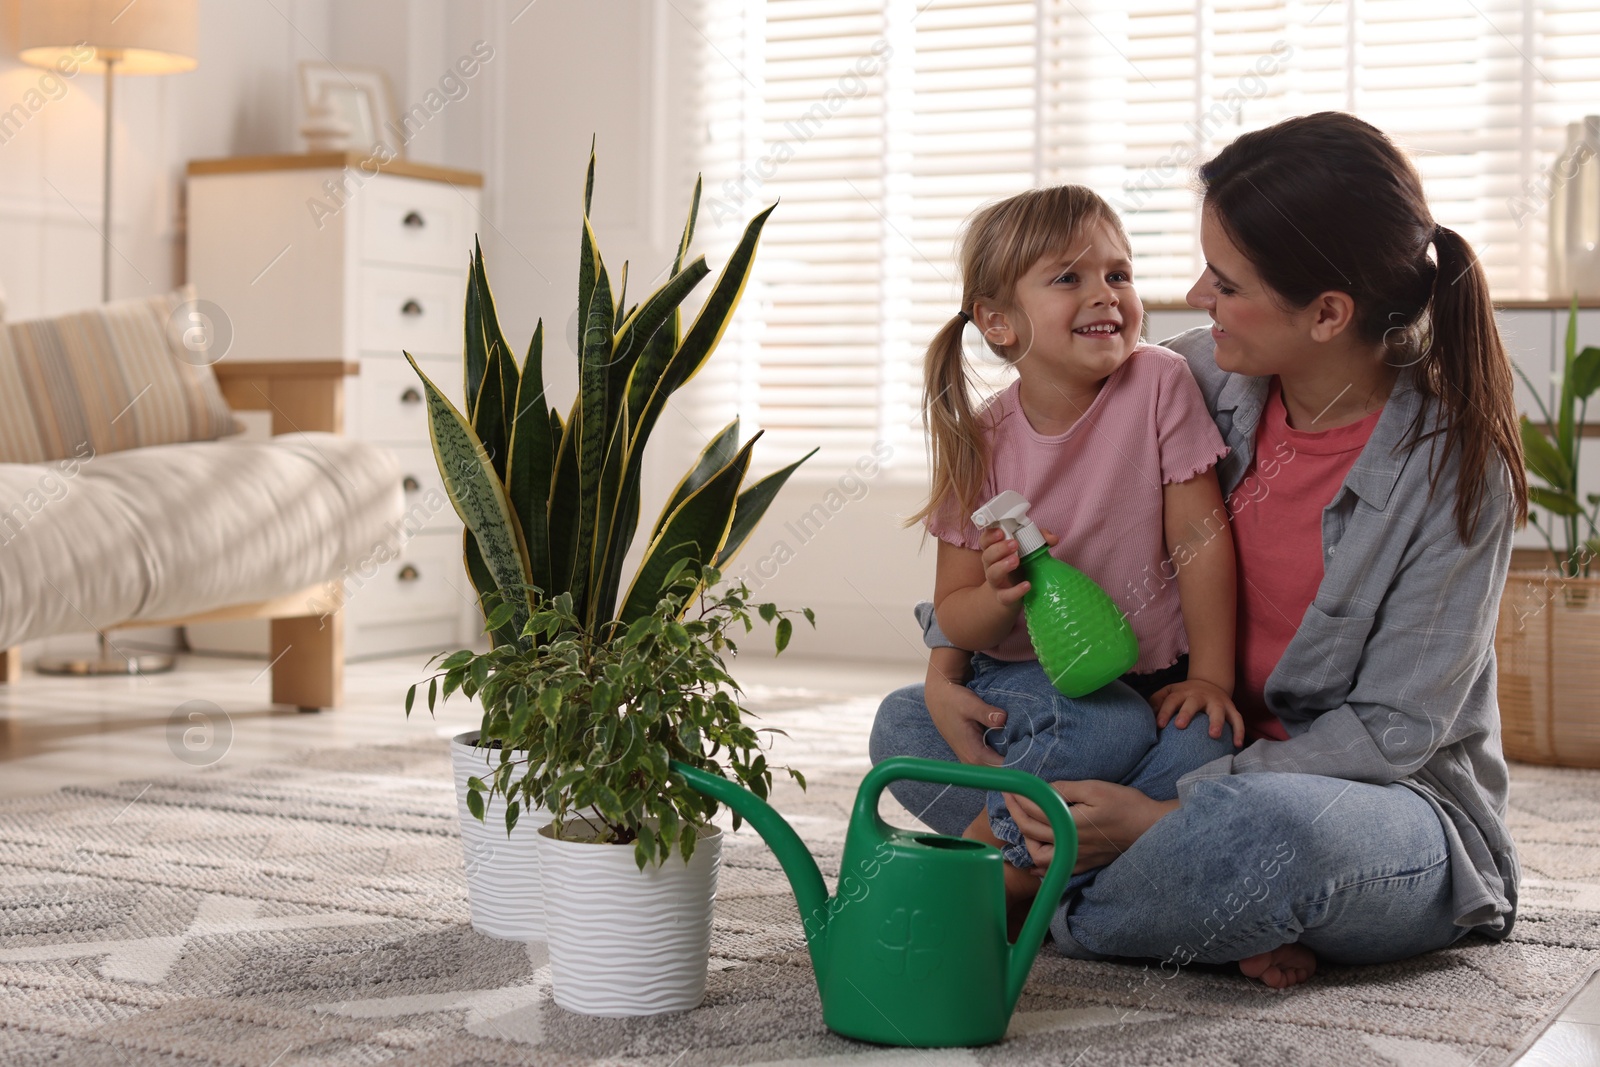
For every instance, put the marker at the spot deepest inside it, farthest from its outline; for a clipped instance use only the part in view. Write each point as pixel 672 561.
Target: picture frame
pixel 358 97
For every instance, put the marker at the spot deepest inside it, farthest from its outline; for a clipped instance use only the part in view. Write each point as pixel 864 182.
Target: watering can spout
pixel 810 892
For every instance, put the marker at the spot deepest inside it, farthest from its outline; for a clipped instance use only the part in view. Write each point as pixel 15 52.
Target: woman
pixel 1374 484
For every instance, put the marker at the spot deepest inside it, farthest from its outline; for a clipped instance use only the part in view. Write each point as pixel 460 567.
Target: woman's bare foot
pixel 1281 968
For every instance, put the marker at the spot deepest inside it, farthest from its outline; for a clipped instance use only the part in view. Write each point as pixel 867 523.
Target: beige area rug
pixel 313 912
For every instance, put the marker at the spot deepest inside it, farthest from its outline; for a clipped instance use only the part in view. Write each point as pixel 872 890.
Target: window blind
pixel 880 125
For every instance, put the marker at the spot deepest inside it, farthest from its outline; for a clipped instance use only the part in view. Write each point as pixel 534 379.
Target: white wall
pixel 241 99
pixel 563 71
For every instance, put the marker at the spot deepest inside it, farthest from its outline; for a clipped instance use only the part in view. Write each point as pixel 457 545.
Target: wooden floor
pixel 59 731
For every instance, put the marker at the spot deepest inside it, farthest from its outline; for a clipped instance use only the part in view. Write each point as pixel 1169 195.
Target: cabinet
pixel 316 257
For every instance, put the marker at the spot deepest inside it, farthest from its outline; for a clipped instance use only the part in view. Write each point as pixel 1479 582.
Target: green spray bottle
pixel 1082 638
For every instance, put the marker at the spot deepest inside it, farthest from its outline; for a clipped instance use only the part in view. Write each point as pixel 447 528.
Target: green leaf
pixel 768 612
pixel 564 504
pixel 531 464
pixel 1557 501
pixel 1564 429
pixel 499 617
pixel 1542 457
pixel 589 429
pixel 478 496
pixel 606 801
pixel 811 617
pixel 1586 373
pixel 687 837
pixel 753 504
pixel 483 582
pixel 647 845
pixel 785 631
pixel 513 810
pixel 624 455
pixel 717 454
pixel 411 696
pixel 433 691
pixel 475 802
pixel 695 530
pixel 456 659
pixel 655 379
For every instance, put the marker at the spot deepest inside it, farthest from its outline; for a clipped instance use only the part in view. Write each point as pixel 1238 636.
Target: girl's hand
pixel 1001 557
pixel 1109 817
pixel 960 715
pixel 1187 699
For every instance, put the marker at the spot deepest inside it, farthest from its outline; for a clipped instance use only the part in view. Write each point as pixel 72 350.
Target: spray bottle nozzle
pixel 1009 511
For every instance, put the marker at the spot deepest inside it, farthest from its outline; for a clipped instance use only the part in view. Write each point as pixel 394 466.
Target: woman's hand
pixel 960 715
pixel 1109 817
pixel 1187 699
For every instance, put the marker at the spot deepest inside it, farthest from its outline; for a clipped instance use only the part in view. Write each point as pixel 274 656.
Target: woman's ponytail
pixel 958 453
pixel 1466 367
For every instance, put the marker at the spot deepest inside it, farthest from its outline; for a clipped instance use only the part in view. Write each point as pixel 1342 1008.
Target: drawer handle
pixel 410 396
pixel 413 220
pixel 408 573
pixel 410 485
pixel 411 307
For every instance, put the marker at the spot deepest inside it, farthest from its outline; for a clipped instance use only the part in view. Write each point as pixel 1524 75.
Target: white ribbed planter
pixel 503 890
pixel 625 941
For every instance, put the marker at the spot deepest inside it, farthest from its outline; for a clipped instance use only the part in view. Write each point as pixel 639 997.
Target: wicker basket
pixel 1547 644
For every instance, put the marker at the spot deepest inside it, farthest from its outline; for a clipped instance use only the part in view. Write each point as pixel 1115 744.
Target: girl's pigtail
pixel 957 451
pixel 1470 372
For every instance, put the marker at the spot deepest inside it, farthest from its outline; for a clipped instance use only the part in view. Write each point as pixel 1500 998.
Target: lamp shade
pixel 145 37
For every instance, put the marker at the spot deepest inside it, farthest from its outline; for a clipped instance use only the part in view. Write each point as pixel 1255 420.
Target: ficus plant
pixel 587 723
pixel 1551 453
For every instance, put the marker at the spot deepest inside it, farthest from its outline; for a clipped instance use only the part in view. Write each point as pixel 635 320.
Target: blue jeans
pixel 1105 735
pixel 1357 873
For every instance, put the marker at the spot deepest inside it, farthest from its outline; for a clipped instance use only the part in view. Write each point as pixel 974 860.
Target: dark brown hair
pixel 997 246
pixel 1327 202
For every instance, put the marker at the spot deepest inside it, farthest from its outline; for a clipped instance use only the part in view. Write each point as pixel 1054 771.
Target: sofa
pixel 128 498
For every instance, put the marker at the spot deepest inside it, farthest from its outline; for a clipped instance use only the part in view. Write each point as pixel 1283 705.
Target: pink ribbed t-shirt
pixel 1099 487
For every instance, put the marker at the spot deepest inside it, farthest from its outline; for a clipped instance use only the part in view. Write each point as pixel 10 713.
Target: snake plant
pixel 551 503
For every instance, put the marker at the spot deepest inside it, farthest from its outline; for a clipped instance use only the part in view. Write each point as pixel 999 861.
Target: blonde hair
pixel 998 244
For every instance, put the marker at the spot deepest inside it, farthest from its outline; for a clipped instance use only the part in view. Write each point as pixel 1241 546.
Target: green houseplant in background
pixel 1547 641
pixel 591 686
pixel 1552 456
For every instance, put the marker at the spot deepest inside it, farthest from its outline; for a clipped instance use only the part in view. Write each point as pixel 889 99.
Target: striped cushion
pixel 109 378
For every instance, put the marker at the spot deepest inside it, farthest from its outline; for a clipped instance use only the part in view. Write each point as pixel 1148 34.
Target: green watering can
pixel 912 950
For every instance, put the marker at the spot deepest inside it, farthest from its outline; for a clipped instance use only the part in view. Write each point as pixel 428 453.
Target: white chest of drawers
pixel 316 257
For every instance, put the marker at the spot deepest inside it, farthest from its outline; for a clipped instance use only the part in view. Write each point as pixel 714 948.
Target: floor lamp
pixel 109 37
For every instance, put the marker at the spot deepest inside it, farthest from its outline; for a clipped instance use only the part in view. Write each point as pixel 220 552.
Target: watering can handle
pixel 1000 779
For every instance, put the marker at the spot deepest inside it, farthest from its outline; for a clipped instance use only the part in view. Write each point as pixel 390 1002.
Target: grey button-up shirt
pixel 1390 677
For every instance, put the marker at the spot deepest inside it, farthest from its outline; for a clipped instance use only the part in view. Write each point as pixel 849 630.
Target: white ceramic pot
pixel 625 941
pixel 503 890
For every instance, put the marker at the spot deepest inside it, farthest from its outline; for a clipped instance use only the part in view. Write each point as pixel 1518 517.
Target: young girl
pixel 1110 441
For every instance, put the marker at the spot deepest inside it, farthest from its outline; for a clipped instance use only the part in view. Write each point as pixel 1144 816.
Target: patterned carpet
pixel 313 912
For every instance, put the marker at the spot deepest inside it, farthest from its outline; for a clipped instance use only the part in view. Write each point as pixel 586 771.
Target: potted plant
pixel 1547 642
pixel 589 688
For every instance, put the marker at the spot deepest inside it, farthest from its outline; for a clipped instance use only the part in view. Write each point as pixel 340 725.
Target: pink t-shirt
pixel 1099 487
pixel 1277 532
